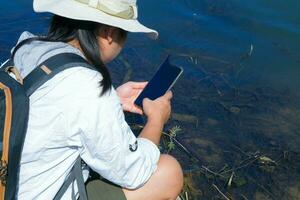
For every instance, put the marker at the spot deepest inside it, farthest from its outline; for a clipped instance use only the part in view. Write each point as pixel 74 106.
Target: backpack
pixel 14 111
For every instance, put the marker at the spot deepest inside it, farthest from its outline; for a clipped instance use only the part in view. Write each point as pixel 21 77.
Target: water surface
pixel 238 102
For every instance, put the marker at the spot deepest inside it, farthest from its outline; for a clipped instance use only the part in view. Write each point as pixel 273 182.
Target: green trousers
pixel 101 189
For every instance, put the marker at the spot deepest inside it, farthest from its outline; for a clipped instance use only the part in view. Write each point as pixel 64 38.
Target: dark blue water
pixel 238 103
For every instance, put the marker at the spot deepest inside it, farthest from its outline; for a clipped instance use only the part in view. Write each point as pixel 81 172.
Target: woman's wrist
pixel 156 122
pixel 152 130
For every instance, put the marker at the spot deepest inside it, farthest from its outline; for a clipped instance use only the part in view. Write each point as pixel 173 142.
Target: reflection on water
pixel 248 135
pixel 238 102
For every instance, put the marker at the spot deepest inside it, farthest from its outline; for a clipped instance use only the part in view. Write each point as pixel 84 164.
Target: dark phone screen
pixel 161 82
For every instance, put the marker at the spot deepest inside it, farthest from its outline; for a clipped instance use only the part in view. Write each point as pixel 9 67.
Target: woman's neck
pixel 75 43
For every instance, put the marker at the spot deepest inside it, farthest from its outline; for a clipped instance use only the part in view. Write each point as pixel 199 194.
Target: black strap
pixel 75 174
pixel 70 179
pixel 54 64
pixel 37 78
pixel 79 180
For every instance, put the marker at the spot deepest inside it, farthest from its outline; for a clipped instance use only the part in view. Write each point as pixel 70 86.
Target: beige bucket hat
pixel 118 13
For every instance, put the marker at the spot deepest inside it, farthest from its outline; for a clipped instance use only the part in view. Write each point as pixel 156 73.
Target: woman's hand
pixel 128 92
pixel 158 113
pixel 159 110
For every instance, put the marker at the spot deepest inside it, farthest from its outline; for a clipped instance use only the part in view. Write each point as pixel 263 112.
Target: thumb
pixel 146 100
pixel 169 95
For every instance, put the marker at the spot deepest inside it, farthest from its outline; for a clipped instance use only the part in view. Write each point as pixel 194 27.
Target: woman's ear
pixel 108 33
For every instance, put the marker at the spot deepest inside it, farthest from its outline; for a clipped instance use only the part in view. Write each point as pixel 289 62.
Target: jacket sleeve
pixel 108 145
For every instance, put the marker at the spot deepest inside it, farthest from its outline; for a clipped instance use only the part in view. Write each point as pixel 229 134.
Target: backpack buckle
pixel 3 172
pixel 15 71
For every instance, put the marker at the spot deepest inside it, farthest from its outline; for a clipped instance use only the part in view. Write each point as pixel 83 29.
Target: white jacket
pixel 68 118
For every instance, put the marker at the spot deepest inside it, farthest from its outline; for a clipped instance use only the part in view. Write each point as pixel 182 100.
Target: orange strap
pixel 6 132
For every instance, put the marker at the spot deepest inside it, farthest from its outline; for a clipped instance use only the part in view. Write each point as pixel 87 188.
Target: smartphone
pixel 162 81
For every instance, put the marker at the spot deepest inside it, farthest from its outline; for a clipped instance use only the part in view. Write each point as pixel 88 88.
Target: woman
pixel 78 112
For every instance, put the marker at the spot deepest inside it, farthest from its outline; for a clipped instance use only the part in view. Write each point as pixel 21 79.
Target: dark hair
pixel 64 30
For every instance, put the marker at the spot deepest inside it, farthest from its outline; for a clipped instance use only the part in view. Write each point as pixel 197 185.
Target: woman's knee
pixel 171 171
pixel 165 183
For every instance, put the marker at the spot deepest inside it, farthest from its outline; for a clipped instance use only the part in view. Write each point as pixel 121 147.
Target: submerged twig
pixel 244 57
pixel 185 118
pixel 186 196
pixel 262 187
pixel 242 166
pixel 216 187
pixel 244 197
pixel 230 179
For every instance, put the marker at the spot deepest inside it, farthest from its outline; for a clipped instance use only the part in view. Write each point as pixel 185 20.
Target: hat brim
pixel 79 11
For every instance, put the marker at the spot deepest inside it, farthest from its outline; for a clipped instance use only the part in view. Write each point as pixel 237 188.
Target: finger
pixel 126 107
pixel 145 101
pixel 168 95
pixel 132 109
pixel 139 85
pixel 137 110
pixel 138 92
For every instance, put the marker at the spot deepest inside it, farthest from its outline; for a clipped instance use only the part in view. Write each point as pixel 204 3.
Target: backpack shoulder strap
pixel 50 67
pixel 40 75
